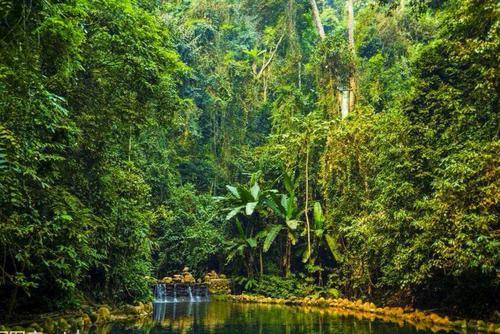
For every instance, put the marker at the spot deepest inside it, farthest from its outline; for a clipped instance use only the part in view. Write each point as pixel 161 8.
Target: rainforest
pixel 320 149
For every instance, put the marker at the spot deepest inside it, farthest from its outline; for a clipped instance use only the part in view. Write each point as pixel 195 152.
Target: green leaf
pixel 274 203
pixel 318 217
pixel 255 190
pixel 261 235
pixel 284 203
pixel 233 191
pixel 250 208
pixel 306 255
pixel 290 208
pixel 293 224
pixel 287 181
pixel 245 195
pixel 239 228
pixel 319 232
pixel 332 245
pixel 234 212
pixel 271 236
pixel 251 242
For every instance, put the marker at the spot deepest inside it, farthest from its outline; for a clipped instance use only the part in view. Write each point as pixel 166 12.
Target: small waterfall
pixel 160 293
pixel 191 299
pixel 180 292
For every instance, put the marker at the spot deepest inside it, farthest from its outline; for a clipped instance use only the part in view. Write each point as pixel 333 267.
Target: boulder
pixel 213 275
pixel 103 314
pixel 167 280
pixel 188 278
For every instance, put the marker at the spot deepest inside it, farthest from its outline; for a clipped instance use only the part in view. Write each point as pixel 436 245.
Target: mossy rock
pixel 93 317
pixel 481 325
pixel 103 314
pixel 76 322
pixel 63 324
pixel 129 308
pixel 472 324
pixel 86 319
pixel 37 327
pixel 460 324
pixel 49 325
pixel 149 307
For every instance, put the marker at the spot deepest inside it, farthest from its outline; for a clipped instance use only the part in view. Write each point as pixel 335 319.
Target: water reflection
pixel 235 318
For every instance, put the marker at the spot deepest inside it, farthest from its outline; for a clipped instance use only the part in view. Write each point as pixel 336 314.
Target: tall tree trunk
pixel 249 264
pixel 130 143
pixel 287 256
pixel 261 263
pixel 350 31
pixel 306 209
pixel 317 19
pixel 12 302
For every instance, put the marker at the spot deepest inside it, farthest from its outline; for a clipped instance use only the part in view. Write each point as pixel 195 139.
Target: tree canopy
pixel 320 147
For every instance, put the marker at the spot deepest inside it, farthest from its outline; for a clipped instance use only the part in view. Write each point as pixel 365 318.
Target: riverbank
pixel 99 315
pixel 418 318
pixel 74 321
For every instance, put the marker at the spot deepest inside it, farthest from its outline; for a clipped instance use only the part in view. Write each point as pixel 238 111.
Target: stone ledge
pixel 366 310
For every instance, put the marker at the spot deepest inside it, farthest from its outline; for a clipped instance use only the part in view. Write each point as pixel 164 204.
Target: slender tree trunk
pixel 265 88
pixel 300 75
pixel 350 31
pixel 130 143
pixel 261 264
pixel 12 302
pixel 306 209
pixel 288 257
pixel 13 297
pixel 249 265
pixel 317 19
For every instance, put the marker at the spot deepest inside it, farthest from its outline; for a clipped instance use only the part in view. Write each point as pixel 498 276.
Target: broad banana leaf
pixel 332 244
pixel 271 236
pixel 287 181
pixel 234 212
pixel 318 216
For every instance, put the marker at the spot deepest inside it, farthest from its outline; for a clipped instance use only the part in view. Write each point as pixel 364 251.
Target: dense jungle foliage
pixel 139 136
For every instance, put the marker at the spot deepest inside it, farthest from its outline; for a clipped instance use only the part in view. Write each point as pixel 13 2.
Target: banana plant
pixel 245 203
pixel 286 207
pixel 322 236
pixel 246 199
pixel 242 246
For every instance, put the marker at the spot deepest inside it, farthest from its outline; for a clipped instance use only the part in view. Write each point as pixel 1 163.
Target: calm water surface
pixel 236 318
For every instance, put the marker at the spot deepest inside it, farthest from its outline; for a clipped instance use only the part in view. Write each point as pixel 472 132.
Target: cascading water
pixel 180 292
pixel 190 294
